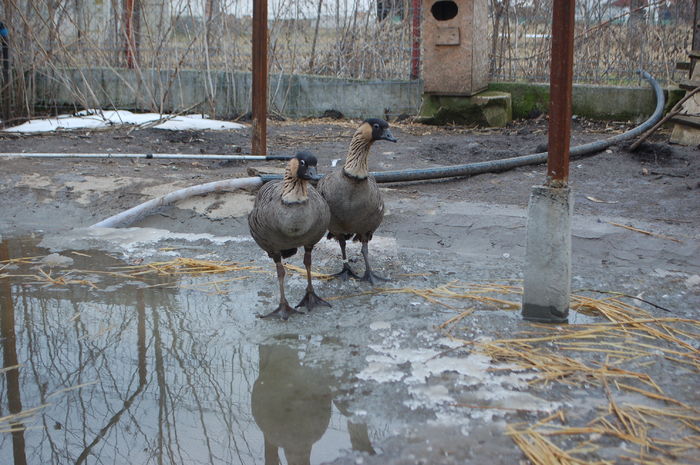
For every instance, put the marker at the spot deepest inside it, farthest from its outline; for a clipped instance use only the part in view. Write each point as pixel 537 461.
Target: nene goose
pixel 286 215
pixel 352 194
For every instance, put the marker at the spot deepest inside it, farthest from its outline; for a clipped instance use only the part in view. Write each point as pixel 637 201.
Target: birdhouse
pixel 455 47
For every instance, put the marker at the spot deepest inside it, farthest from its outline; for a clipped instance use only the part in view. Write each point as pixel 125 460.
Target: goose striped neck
pixel 294 189
pixel 356 159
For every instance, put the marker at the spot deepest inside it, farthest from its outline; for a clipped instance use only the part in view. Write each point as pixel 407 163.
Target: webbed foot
pixel 283 311
pixel 372 278
pixel 346 273
pixel 311 300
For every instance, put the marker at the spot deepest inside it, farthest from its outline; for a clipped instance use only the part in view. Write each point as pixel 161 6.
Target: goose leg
pixel 310 299
pixel 283 310
pixel 369 274
pixel 346 273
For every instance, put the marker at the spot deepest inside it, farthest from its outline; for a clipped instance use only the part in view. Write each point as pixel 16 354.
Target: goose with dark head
pixel 356 205
pixel 289 214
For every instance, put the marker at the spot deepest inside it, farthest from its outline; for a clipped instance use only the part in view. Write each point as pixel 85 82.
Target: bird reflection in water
pixel 291 404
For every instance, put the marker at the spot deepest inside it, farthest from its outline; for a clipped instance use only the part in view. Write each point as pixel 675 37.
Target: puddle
pixel 124 371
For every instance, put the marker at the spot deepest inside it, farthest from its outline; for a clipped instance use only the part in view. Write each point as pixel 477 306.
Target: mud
pixel 179 369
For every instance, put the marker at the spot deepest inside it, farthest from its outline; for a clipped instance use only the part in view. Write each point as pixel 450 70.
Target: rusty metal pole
pixel 547 283
pixel 259 91
pixel 560 85
pixel 415 47
pixel 696 38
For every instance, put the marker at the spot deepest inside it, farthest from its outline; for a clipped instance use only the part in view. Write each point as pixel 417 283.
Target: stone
pixel 489 108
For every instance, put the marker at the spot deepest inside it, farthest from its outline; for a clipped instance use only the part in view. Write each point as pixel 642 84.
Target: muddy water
pixel 135 372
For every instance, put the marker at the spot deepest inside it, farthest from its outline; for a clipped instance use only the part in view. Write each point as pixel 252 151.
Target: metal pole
pixel 259 138
pixel 560 85
pixel 147 156
pixel 696 38
pixel 128 32
pixel 415 48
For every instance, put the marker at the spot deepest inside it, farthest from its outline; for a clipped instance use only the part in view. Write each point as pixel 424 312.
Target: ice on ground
pixel 96 119
pixel 132 241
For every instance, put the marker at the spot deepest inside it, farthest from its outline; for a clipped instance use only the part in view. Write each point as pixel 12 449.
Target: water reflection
pixel 291 404
pixel 132 374
pixel 10 364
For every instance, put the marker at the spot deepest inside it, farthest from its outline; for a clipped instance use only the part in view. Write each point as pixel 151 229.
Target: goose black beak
pixel 311 174
pixel 388 136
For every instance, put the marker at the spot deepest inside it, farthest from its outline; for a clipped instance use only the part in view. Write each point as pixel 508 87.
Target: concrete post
pixel 548 255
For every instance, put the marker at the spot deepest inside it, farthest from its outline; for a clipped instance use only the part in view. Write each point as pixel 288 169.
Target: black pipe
pixel 510 163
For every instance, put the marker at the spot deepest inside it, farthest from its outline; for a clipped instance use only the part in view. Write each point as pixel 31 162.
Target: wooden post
pixel 416 46
pixel 560 87
pixel 259 137
pixel 129 33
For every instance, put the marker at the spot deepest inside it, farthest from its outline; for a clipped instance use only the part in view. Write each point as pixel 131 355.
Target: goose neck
pixel 294 189
pixel 356 160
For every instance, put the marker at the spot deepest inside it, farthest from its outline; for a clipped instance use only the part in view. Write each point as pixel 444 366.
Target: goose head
pixel 303 166
pixel 375 129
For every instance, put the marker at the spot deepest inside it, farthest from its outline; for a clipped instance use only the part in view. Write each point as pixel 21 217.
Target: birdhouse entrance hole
pixel 444 10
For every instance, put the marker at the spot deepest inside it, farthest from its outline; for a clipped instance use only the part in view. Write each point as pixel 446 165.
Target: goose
pixel 286 215
pixel 357 208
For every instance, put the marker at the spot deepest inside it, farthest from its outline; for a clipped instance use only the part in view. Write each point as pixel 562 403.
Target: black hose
pixel 505 164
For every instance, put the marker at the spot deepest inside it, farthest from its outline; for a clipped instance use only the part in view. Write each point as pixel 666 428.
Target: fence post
pixel 129 33
pixel 259 90
pixel 416 46
pixel 5 64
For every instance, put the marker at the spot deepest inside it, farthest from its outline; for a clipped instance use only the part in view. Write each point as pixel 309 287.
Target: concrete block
pixel 547 288
pixel 490 108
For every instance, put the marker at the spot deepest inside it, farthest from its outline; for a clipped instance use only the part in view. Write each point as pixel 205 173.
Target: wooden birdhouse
pixel 455 47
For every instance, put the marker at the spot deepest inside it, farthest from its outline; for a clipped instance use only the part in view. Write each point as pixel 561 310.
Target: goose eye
pixel 376 126
pixel 302 162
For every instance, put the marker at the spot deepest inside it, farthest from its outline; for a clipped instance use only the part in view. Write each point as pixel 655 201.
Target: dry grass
pixel 187 266
pixel 611 355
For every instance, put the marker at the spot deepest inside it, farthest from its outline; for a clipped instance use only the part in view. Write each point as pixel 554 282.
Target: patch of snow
pixel 429 396
pixel 129 240
pixel 692 281
pixel 94 119
pixel 56 259
pixel 381 372
pixel 481 381
pixel 379 325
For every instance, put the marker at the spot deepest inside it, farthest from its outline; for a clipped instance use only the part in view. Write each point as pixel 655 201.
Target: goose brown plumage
pixel 356 205
pixel 286 215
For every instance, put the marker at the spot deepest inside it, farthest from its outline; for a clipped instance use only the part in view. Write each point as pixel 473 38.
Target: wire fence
pixel 365 39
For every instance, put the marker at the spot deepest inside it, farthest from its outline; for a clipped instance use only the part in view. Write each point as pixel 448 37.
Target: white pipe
pixel 134 214
pixel 155 156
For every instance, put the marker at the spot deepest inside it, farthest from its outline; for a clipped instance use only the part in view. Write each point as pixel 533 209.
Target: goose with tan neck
pixel 286 215
pixel 357 207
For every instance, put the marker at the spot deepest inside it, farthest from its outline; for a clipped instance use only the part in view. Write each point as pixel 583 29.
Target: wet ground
pixel 117 365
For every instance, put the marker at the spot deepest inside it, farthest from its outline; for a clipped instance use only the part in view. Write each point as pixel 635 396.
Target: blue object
pixel 3 30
